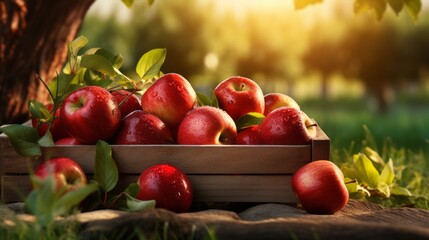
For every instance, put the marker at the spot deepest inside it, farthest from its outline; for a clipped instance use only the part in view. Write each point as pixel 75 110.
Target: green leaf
pixel 105 172
pixel 413 7
pixel 248 120
pixel 387 174
pixel 300 4
pixel 134 205
pixel 373 155
pixel 366 171
pixel 98 63
pixel 377 6
pixel 150 63
pixel 46 140
pixel 384 189
pixel 396 5
pixel 351 184
pixel 397 190
pixel 349 171
pixel 128 3
pixel 73 198
pixel 23 139
pixel 77 44
pixel 41 200
pixel 38 110
pixel 150 2
pixel 116 60
pixel 132 189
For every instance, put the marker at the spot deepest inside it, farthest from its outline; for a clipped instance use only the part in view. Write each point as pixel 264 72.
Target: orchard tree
pixel 34 36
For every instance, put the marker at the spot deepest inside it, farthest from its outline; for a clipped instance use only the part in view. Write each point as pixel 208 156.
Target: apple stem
pixel 242 86
pixel 312 125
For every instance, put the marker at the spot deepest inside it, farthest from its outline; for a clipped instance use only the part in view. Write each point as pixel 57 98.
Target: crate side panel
pixel 320 146
pixel 207 188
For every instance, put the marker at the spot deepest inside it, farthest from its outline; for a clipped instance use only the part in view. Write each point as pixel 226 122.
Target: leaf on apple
pixel 134 204
pixel 133 189
pixel 105 172
pixel 248 120
pixel 150 63
pixel 204 100
pixel 23 138
pixel 46 140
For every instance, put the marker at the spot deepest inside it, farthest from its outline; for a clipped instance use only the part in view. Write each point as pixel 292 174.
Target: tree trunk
pixel 33 41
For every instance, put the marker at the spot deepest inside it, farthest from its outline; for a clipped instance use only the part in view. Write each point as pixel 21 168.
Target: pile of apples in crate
pixel 169 112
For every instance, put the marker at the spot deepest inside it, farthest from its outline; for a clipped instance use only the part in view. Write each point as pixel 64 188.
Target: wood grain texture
pixel 207 188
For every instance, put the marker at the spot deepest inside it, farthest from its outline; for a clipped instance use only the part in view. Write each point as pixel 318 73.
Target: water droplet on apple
pixel 171 83
pixel 231 102
pixel 154 93
pixel 159 99
pixel 179 88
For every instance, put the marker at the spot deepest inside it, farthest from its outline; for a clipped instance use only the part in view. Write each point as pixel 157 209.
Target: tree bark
pixel 33 41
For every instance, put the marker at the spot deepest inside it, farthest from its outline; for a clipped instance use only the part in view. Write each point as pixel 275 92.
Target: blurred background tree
pixel 346 70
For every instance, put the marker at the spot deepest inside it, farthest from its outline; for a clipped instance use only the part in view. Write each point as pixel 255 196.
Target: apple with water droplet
pixel 140 127
pixel 239 96
pixel 127 101
pixel 168 186
pixel 68 175
pixel 170 98
pixel 286 125
pixel 320 187
pixel 276 100
pixel 90 114
pixel 207 125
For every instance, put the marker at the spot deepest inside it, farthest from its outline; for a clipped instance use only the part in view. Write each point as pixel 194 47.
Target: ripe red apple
pixel 140 127
pixel 207 125
pixel 168 186
pixel 320 187
pixel 127 101
pixel 68 175
pixel 276 100
pixel 57 130
pixel 286 125
pixel 248 136
pixel 68 141
pixel 170 97
pixel 239 96
pixel 90 114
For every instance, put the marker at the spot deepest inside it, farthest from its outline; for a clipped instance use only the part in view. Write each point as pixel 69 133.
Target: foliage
pixel 389 176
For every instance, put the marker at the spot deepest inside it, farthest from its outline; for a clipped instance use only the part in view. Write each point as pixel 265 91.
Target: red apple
pixel 68 175
pixel 90 114
pixel 286 125
pixel 207 125
pixel 248 136
pixel 239 96
pixel 57 130
pixel 68 141
pixel 168 186
pixel 276 100
pixel 170 97
pixel 127 101
pixel 320 187
pixel 140 127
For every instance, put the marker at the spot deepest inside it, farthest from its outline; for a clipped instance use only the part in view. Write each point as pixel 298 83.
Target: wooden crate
pixel 227 173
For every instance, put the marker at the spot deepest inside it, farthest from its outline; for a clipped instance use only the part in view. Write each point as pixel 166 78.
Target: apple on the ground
pixel 168 186
pixel 286 125
pixel 207 125
pixel 127 101
pixel 276 100
pixel 68 175
pixel 170 98
pixel 140 127
pixel 90 114
pixel 320 187
pixel 239 96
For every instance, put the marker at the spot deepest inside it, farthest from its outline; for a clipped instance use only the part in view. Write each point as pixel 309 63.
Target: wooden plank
pixel 320 146
pixel 233 159
pixel 207 188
